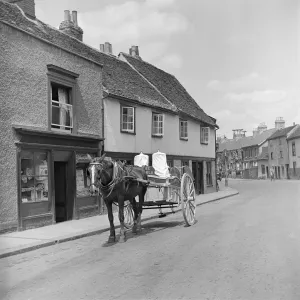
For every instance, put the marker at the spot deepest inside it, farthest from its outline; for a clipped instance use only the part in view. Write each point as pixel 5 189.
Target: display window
pixel 34 176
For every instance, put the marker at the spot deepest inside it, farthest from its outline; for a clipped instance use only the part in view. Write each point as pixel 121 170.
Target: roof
pixel 248 141
pixel 281 132
pixel 119 78
pixel 170 88
pixel 295 133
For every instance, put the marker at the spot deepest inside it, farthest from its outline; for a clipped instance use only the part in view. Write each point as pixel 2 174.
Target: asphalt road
pixel 244 247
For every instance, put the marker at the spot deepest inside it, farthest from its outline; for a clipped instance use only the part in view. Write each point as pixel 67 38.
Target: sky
pixel 239 59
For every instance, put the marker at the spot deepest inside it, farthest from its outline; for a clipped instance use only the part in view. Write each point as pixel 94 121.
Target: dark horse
pixel 116 183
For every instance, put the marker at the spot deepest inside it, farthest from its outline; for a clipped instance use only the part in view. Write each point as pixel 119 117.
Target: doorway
pixel 60 185
pixel 197 170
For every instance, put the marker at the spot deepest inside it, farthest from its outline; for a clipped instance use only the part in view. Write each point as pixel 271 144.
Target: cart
pixel 175 191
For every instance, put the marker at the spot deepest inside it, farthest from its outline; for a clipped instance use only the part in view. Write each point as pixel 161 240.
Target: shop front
pixel 53 185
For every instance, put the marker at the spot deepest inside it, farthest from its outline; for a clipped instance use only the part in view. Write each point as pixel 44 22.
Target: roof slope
pixel 118 77
pixel 295 133
pixel 281 132
pixel 170 87
pixel 246 141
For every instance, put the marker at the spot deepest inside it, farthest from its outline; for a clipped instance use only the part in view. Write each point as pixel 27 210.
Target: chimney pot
pixel 74 17
pixel 107 48
pixel 134 51
pixel 67 15
pixel 102 47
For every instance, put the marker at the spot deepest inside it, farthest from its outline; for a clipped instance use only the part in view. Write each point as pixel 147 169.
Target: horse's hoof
pixel 134 230
pixel 112 239
pixel 122 239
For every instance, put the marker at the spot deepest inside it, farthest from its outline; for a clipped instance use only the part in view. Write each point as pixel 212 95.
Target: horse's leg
pixel 140 208
pixel 135 210
pixel 112 235
pixel 121 218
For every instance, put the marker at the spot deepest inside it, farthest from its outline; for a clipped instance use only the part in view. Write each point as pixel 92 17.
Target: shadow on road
pixel 147 228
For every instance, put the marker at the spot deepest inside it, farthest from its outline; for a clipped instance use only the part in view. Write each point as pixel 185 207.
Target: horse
pixel 109 178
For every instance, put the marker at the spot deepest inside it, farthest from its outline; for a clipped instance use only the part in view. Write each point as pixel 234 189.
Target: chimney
pixel 134 51
pixel 70 27
pixel 102 47
pixel 28 7
pixel 106 48
pixel 279 123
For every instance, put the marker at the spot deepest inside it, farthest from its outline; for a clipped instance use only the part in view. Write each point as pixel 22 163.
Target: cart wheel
pixel 188 199
pixel 128 215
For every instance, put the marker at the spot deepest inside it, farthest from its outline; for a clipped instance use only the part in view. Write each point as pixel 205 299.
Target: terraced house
pixel 62 99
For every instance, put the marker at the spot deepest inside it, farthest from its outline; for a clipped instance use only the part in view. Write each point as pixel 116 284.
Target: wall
pixel 142 141
pixel 24 101
pixel 294 158
pixel 275 147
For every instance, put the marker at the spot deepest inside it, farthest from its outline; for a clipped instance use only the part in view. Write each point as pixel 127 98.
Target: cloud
pixel 149 24
pixel 244 83
pixel 171 61
pixel 257 97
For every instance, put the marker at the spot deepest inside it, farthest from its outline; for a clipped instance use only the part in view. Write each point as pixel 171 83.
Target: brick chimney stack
pixel 106 48
pixel 134 51
pixel 28 7
pixel 70 25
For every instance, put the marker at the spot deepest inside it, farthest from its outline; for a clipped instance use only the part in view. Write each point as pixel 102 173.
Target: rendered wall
pixel 24 101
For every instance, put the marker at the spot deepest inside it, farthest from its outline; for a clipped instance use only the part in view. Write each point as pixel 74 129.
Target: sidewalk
pixel 28 240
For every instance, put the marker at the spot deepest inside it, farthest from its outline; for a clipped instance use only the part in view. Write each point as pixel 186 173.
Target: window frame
pixel 293 149
pixel 133 131
pixel 185 138
pixel 159 135
pixel 67 79
pixel 203 135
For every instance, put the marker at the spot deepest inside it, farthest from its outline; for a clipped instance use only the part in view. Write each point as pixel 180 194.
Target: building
pixel 157 114
pixel 293 144
pixel 253 167
pixel 278 152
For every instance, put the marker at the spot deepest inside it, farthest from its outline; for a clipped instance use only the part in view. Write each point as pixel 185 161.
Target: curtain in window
pixel 62 98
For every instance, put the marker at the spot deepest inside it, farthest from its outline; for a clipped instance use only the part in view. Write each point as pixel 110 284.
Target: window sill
pixel 202 143
pixel 157 136
pixel 183 139
pixel 128 132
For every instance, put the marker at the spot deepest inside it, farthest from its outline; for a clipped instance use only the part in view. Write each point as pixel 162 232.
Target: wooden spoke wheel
pixel 128 215
pixel 188 199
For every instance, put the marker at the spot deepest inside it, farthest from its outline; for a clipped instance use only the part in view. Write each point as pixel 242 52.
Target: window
pixel 208 173
pixel 183 129
pixel 281 154
pixel 263 169
pixel 62 94
pixel 204 135
pixel 62 109
pixel 34 176
pixel 279 141
pixel 271 155
pixel 128 119
pixel 293 149
pixel 294 168
pixel 170 163
pixel 157 124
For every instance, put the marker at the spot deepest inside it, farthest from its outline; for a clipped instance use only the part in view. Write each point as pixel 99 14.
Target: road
pixel 244 247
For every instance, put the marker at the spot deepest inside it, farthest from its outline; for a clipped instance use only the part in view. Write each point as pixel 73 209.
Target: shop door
pixel 60 185
pixel 194 171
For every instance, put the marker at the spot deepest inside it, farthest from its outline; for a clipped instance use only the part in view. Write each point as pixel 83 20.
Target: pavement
pixel 23 241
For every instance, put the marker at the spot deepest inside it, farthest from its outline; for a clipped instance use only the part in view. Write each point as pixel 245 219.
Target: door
pixel 194 171
pixel 287 171
pixel 60 191
pixel 200 178
pixel 267 168
pixel 278 172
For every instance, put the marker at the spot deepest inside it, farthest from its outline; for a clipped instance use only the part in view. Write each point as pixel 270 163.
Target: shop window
pixel 83 181
pixel 183 129
pixel 127 119
pixel 34 176
pixel 208 173
pixel 204 135
pixel 263 169
pixel 157 124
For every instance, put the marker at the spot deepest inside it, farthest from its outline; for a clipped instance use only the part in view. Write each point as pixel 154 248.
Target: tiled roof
pixel 295 133
pixel 170 88
pixel 281 132
pixel 246 141
pixel 118 77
